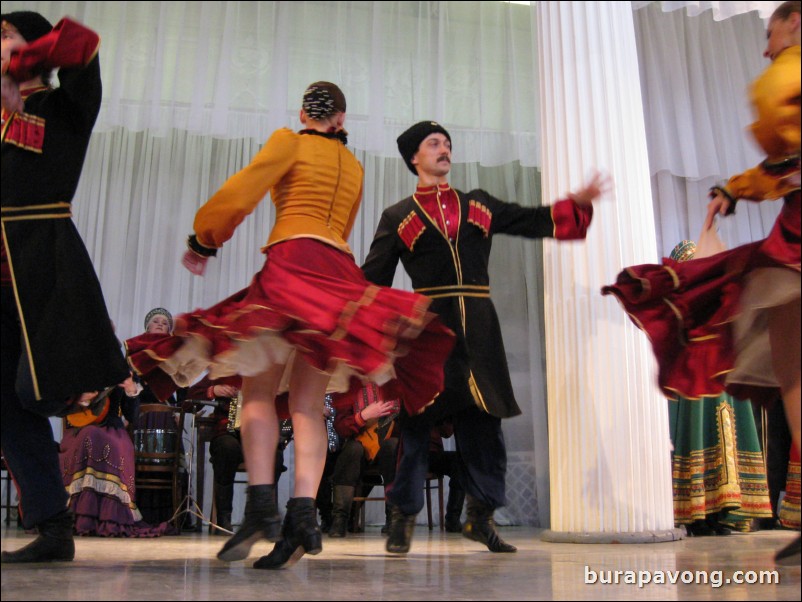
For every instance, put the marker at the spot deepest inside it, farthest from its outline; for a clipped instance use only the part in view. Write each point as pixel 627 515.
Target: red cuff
pixel 210 392
pixel 571 220
pixel 70 44
pixel 360 422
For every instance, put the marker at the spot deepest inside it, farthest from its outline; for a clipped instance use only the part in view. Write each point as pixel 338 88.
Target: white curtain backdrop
pixel 695 75
pixel 193 89
pixel 720 10
pixel 237 69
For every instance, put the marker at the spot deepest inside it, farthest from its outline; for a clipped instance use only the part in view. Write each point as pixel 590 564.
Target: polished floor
pixel 439 567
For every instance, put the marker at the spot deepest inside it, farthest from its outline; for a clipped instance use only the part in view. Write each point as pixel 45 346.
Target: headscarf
pixel 155 312
pixel 684 251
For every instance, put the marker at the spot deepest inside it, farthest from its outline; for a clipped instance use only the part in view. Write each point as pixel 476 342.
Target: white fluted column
pixel 609 449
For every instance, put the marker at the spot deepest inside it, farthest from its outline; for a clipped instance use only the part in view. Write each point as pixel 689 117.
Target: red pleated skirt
pixel 705 318
pixel 309 301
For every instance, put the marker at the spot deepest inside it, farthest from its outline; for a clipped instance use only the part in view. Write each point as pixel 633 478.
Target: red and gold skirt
pixel 706 318
pixel 309 300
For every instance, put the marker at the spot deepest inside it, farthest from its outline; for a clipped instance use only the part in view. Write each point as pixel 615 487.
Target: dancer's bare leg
pixel 259 442
pixel 784 334
pixel 307 393
pixel 301 533
pixel 260 425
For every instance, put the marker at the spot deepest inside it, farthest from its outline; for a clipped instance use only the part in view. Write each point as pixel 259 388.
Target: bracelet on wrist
pixel 720 189
pixel 199 249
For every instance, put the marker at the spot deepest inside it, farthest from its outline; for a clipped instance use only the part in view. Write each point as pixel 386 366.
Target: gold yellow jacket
pixel 315 183
pixel 776 97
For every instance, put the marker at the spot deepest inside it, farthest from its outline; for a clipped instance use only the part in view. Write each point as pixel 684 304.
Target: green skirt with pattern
pixel 717 464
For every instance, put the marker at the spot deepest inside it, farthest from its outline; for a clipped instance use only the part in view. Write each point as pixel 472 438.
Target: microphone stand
pixel 190 503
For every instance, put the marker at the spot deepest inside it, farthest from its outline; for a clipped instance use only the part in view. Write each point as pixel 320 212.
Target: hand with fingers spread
pixel 377 410
pixel 599 184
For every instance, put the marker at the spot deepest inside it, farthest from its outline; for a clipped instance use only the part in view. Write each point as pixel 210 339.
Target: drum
pixel 155 441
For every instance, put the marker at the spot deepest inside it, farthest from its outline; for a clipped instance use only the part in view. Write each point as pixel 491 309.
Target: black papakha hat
pixel 409 141
pixel 29 24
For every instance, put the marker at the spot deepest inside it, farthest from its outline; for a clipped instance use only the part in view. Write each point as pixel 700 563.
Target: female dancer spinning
pixel 309 319
pixel 748 297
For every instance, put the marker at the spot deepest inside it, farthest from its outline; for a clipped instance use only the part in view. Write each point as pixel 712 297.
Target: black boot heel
pixel 399 533
pixel 481 527
pixel 301 535
pixel 55 542
pixel 313 543
pixel 284 555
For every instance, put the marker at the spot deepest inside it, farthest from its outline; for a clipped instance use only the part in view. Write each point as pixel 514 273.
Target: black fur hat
pixel 29 24
pixel 409 141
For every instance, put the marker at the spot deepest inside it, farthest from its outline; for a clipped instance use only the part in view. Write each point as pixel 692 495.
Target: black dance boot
pixel 456 499
pixel 223 501
pixel 399 535
pixel 790 554
pixel 388 517
pixel 718 528
pixel 261 521
pixel 54 543
pixel 343 498
pixel 300 535
pixel 699 528
pixel 480 526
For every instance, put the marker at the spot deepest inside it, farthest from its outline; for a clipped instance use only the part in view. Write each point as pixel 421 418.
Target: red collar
pixel 424 190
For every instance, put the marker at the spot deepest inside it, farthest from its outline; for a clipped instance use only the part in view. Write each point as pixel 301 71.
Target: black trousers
pixel 480 447
pixel 29 449
pixel 351 462
pixel 226 455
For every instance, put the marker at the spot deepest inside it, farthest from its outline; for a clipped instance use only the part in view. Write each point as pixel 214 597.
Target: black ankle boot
pixel 223 500
pixel 453 524
pixel 717 527
pixel 355 519
pixel 790 554
pixel 341 510
pixel 699 528
pixel 224 526
pixel 388 517
pixel 55 542
pixel 480 526
pixel 300 535
pixel 261 521
pixel 456 500
pixel 399 535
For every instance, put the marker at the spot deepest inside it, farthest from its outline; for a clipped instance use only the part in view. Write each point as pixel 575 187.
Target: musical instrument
pixel 372 436
pixel 331 434
pixel 234 411
pixel 235 414
pixel 155 441
pixel 94 413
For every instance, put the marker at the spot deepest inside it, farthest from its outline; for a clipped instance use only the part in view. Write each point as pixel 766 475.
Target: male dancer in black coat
pixel 443 237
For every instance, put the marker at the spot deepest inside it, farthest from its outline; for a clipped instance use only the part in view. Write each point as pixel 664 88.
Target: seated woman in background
pixel 97 464
pixel 156 505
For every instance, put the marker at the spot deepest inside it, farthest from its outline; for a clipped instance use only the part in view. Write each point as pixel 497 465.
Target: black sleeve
pixel 382 259
pixel 514 219
pixel 79 93
pixel 130 407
